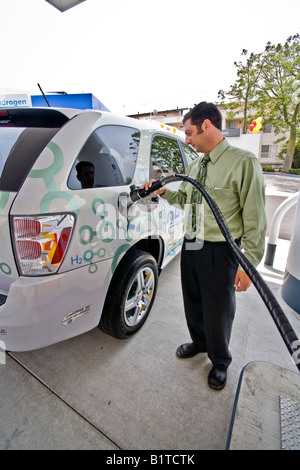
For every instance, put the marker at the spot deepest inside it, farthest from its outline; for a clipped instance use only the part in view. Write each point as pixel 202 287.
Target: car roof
pixel 37 117
pixel 57 117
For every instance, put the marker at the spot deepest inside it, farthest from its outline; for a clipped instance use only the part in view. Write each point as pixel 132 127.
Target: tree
pixel 244 90
pixel 279 93
pixel 296 161
pixel 270 80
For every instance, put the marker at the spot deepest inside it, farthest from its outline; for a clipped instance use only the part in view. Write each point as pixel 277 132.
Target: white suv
pixel 72 257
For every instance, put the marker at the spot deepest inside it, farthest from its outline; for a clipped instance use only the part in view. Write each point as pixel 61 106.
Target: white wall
pixel 249 142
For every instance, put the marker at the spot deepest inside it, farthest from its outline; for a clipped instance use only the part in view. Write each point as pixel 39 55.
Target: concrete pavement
pixel 96 392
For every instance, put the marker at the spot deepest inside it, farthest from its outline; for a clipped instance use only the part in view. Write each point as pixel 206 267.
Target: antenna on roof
pixel 44 95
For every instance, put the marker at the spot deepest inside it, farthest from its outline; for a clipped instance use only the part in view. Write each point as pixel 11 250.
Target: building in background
pixel 170 117
pixel 269 150
pixel 262 144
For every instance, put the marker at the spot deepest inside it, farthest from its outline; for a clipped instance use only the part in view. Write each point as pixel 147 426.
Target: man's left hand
pixel 242 281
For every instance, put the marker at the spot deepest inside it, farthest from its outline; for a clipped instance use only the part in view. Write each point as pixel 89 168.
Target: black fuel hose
pixel 282 323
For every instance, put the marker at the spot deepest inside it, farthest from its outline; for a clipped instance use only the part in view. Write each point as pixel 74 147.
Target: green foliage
pixel 296 161
pixel 269 82
pixel 268 168
pixel 165 155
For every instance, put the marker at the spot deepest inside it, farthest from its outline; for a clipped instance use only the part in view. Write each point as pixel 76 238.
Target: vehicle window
pixel 108 158
pixel 189 153
pixel 19 149
pixel 165 157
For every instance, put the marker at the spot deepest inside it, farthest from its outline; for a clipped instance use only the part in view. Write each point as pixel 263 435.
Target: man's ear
pixel 206 125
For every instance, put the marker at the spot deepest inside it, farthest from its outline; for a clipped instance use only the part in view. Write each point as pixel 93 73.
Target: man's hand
pixel 148 185
pixel 242 281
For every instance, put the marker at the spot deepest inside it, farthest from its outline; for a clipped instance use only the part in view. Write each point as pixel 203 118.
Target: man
pixel 85 174
pixel 209 271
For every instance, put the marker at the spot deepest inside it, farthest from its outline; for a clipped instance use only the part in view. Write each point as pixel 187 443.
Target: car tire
pixel 131 295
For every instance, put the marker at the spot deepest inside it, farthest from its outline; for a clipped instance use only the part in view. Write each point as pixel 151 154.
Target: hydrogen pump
pixel 282 323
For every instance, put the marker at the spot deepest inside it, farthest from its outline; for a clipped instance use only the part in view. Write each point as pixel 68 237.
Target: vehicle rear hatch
pixel 24 133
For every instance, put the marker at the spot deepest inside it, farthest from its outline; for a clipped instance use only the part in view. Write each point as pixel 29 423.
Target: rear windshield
pixel 19 149
pixel 23 136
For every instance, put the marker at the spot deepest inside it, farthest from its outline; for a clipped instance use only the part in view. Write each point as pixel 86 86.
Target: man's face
pixel 87 177
pixel 194 137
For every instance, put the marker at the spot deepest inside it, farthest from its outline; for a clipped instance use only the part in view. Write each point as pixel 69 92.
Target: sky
pixel 137 55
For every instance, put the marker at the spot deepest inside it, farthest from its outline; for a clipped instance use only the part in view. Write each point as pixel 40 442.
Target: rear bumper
pixel 39 312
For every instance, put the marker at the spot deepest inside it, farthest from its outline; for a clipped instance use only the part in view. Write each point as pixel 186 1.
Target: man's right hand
pixel 148 185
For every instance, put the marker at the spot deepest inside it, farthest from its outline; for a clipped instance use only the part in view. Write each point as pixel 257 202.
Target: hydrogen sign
pixel 15 101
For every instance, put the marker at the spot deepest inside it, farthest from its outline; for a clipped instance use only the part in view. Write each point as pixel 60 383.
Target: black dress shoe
pixel 187 350
pixel 217 377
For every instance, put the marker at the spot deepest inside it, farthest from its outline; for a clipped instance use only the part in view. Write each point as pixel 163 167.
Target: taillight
pixel 41 242
pixel 28 249
pixel 27 228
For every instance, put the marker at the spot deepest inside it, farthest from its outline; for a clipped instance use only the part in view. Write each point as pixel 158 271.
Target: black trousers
pixel 208 272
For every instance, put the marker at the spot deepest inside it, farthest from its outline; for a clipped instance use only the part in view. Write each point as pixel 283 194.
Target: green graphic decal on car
pixel 4 197
pixel 5 269
pixel 47 175
pixel 119 251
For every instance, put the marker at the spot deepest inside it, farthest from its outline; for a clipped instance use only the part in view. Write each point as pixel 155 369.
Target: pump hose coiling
pixel 282 323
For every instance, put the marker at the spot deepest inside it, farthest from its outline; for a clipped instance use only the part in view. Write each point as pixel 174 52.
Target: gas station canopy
pixel 64 5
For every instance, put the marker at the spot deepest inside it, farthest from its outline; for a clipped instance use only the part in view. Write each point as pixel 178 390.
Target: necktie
pixel 196 195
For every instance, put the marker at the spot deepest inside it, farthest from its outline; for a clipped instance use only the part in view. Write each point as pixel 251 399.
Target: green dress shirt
pixel 235 181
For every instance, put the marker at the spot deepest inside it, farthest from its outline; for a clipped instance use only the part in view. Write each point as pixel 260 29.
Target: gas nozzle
pixel 138 193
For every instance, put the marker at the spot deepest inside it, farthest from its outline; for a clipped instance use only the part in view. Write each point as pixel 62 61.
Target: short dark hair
pixel 203 111
pixel 79 167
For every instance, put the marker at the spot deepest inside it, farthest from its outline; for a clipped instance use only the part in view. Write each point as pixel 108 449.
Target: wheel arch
pixel 147 247
pixel 154 245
